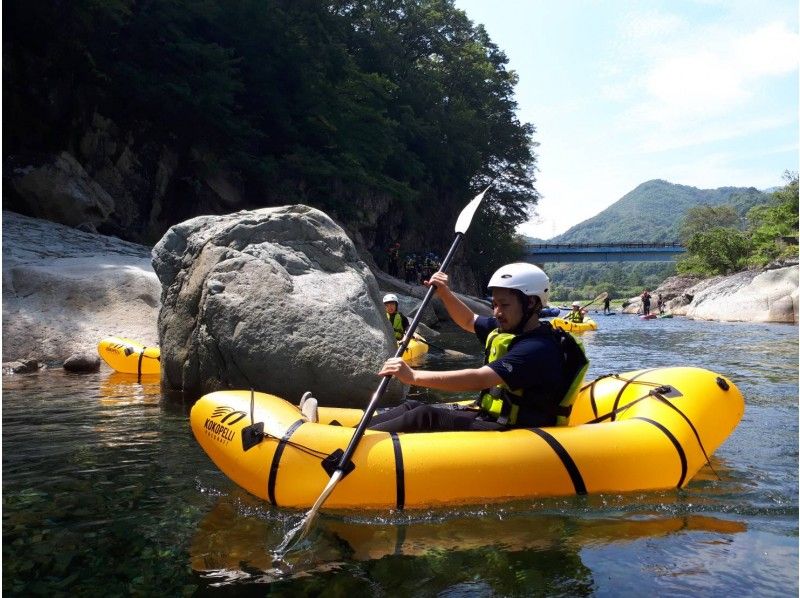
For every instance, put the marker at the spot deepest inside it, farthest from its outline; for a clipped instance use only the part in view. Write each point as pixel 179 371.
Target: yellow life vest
pixel 500 401
pixel 575 316
pixel 397 324
pixel 503 403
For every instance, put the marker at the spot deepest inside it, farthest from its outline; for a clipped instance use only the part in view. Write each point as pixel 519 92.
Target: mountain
pixel 653 212
pixel 528 239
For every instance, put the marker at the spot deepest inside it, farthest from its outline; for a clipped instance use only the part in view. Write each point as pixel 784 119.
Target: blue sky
pixel 701 93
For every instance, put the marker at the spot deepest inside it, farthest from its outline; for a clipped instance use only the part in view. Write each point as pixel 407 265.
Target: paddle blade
pixel 302 529
pixel 600 297
pixel 465 217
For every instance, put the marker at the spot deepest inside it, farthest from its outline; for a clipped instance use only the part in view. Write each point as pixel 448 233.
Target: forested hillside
pixel 387 114
pixel 653 212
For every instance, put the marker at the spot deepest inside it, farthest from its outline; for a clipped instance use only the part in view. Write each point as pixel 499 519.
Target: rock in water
pixel 82 362
pixel 274 299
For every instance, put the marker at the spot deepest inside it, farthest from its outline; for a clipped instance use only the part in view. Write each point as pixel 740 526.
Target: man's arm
pixel 457 309
pixel 453 380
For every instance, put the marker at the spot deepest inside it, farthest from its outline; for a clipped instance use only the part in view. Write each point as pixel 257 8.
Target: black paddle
pixel 345 465
pixel 600 297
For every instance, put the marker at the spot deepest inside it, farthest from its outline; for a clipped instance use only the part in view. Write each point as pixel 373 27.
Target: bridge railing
pixel 628 245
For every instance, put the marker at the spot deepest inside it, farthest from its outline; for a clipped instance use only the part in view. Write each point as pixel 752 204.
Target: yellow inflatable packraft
pixel 416 349
pixel 129 357
pixel 643 430
pixel 587 324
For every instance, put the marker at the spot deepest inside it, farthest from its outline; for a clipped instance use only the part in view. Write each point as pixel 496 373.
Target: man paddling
pixel 525 376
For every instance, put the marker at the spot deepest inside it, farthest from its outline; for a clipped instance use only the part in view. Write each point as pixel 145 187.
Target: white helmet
pixel 390 297
pixel 576 304
pixel 529 279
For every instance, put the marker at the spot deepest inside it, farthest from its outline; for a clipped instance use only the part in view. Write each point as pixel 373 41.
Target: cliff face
pixel 135 188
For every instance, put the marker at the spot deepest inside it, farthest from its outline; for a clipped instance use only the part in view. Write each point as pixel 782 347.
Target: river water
pixel 105 492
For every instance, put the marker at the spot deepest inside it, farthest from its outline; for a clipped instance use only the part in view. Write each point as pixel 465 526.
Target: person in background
pixel 398 321
pixel 660 303
pixel 410 268
pixel 427 267
pixel 576 315
pixel 394 259
pixel 646 302
pixel 527 373
pixel 607 305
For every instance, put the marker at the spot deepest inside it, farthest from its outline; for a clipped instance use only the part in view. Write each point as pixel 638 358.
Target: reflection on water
pixel 226 543
pixel 105 491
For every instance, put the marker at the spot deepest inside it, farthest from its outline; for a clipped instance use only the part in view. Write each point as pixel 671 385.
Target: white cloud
pixel 710 71
pixel 713 131
pixel 697 96
pixel 769 51
pixel 644 26
pixel 703 79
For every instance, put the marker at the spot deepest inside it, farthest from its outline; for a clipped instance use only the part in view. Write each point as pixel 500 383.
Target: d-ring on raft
pixel 643 430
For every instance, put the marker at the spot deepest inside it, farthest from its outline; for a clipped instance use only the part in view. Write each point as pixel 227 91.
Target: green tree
pixel 398 106
pixel 719 250
pixel 774 227
pixel 702 218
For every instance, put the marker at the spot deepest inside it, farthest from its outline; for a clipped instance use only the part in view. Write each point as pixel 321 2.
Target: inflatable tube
pixel 587 324
pixel 643 430
pixel 549 312
pixel 664 316
pixel 415 350
pixel 648 317
pixel 129 357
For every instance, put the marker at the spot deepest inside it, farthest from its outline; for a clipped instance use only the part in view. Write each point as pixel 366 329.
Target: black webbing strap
pixel 399 470
pixel 675 443
pixel 566 459
pixel 664 400
pixel 628 382
pixel 276 459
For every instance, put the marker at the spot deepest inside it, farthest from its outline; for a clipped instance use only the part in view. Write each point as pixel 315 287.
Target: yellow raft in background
pixel 129 357
pixel 417 347
pixel 587 324
pixel 643 430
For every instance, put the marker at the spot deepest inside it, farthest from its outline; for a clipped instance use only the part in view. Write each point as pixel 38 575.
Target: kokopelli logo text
pixel 220 430
pixel 127 350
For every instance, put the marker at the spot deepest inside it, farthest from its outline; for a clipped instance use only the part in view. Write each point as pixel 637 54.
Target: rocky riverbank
pixel 764 295
pixel 276 299
pixel 64 289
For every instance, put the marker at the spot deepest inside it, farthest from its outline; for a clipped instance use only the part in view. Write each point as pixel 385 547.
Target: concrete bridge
pixel 540 253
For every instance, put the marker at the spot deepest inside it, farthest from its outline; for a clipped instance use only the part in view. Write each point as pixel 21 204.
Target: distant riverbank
pixel 761 295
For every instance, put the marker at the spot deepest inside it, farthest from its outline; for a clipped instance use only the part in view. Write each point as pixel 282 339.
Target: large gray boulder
pixel 65 289
pixel 766 295
pixel 274 299
pixel 769 296
pixel 435 313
